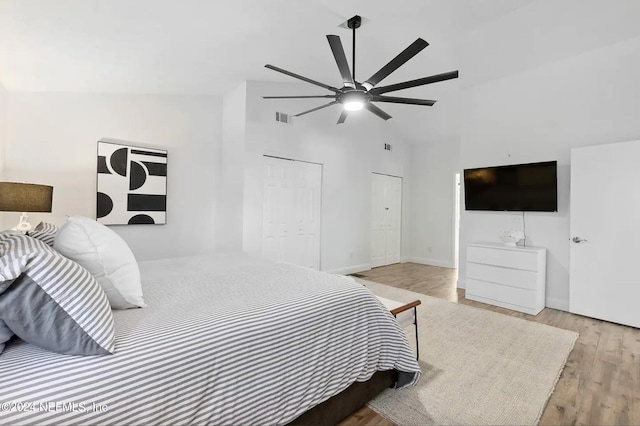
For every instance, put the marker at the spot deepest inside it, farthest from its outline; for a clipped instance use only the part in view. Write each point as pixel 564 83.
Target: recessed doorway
pixel 386 219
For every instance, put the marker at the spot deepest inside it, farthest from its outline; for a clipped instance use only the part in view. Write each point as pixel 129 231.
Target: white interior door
pixel 291 211
pixel 605 229
pixel 386 219
pixel 393 212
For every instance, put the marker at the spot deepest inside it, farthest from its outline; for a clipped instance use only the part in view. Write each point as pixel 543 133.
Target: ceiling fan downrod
pixel 354 23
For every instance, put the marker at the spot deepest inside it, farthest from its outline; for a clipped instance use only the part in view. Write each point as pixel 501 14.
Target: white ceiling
pixel 205 46
pixel 211 46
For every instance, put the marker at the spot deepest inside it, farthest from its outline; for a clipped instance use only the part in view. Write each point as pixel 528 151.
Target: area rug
pixel 478 367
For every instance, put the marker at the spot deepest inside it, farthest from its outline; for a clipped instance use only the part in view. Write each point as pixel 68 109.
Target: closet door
pixel 291 211
pixel 386 214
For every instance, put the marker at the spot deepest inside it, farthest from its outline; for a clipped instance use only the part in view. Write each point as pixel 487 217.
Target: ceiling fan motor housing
pixel 354 95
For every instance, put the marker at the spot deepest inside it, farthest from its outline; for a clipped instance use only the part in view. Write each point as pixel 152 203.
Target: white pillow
pixel 103 253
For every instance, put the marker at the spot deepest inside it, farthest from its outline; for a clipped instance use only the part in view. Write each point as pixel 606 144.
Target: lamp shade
pixel 25 197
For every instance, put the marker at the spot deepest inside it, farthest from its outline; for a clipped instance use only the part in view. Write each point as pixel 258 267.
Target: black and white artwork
pixel 132 185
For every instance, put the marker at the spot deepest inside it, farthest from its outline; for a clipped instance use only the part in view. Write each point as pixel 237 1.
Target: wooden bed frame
pixel 347 402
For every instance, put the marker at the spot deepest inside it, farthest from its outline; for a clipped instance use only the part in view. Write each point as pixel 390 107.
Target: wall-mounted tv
pixel 518 187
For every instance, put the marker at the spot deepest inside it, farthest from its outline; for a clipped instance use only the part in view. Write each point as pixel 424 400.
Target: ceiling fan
pixel 354 95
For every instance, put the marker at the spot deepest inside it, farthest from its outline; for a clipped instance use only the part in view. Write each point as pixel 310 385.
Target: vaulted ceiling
pixel 211 46
pixel 205 46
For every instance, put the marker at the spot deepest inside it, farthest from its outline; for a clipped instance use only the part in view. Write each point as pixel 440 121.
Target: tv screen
pixel 519 187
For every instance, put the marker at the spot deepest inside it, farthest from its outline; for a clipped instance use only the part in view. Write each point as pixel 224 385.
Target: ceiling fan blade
pixel 408 53
pixel 414 83
pixel 299 77
pixel 341 60
pixel 316 108
pixel 299 97
pixel 396 100
pixel 377 111
pixel 343 116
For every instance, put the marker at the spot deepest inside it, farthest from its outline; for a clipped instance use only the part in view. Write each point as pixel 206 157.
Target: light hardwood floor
pixel 600 384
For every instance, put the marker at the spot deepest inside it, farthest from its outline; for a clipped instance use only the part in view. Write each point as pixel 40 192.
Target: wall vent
pixel 387 146
pixel 282 117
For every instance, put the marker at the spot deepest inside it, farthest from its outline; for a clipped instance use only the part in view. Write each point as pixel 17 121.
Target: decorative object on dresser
pixel 25 198
pixel 511 238
pixel 132 185
pixel 510 277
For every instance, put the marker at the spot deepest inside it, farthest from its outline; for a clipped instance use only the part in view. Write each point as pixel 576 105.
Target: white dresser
pixel 511 277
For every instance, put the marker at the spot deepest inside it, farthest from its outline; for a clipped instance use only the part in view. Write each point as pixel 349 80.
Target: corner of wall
pixel 229 223
pixel 3 137
pixel 3 125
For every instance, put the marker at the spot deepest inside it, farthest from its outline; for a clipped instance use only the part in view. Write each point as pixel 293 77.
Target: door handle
pixel 578 240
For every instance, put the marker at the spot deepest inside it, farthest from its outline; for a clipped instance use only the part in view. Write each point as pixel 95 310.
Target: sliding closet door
pixel 386 213
pixel 291 211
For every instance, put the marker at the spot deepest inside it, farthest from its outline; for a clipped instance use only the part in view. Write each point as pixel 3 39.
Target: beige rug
pixel 478 367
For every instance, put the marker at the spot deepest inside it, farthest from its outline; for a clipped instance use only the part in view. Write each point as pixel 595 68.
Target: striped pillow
pixel 51 301
pixel 45 232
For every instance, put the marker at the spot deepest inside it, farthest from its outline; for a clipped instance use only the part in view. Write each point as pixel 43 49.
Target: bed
pixel 225 339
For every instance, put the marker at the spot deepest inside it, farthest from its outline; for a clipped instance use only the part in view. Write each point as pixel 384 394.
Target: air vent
pixel 387 146
pixel 282 117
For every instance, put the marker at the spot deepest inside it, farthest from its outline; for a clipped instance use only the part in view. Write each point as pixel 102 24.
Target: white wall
pixel 349 154
pixel 231 192
pixel 51 139
pixel 435 159
pixel 3 125
pixel 566 93
pixel 565 76
pixel 433 167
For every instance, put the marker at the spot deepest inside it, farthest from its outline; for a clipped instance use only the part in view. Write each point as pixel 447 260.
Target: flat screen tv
pixel 518 187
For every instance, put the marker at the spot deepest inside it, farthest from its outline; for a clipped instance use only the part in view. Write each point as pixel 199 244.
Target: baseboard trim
pixel 431 262
pixel 559 304
pixel 351 269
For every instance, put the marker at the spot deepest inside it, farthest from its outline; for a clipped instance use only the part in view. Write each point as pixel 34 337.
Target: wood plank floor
pixel 600 384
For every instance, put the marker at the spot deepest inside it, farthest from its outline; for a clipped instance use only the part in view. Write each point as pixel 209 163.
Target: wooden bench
pixel 404 315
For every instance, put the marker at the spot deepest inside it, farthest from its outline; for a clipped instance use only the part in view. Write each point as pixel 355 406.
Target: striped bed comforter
pixel 225 339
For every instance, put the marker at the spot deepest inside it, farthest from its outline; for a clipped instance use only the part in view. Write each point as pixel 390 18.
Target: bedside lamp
pixel 25 198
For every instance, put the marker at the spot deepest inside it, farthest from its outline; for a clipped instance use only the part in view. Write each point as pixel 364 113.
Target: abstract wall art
pixel 132 185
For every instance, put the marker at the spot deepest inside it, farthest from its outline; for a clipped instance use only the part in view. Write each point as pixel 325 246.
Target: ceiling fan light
pixel 353 105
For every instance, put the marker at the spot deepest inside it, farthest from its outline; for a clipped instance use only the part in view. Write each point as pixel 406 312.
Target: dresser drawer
pixel 496 274
pixel 508 258
pixel 498 292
